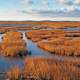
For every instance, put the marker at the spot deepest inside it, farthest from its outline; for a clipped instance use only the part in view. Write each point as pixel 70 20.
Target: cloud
pixel 28 2
pixel 66 2
pixel 62 1
pixel 39 12
pixel 45 2
pixel 77 1
pixel 69 2
pixel 42 12
pixel 69 5
pixel 40 15
pixel 70 8
pixel 70 11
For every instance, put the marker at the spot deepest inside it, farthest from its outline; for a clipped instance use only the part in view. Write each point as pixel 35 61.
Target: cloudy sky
pixel 56 10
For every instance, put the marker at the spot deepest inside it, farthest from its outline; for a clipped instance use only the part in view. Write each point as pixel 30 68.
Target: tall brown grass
pixel 37 68
pixel 13 44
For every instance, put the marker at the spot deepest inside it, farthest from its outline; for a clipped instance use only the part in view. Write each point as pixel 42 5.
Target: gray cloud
pixel 69 11
pixel 50 13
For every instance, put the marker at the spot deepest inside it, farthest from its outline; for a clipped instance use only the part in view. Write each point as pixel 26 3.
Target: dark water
pixel 7 63
pixel 70 29
pixel 34 49
pixel 11 25
pixel 1 35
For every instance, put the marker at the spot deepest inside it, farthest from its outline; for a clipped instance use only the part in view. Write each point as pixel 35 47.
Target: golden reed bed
pixel 37 68
pixel 13 45
pixel 57 41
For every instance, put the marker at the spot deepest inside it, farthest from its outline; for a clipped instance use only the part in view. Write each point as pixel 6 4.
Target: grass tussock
pixel 13 45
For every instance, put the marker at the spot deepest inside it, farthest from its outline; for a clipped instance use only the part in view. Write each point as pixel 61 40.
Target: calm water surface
pixel 70 29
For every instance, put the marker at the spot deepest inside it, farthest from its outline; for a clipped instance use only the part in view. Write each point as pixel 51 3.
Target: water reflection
pixel 70 29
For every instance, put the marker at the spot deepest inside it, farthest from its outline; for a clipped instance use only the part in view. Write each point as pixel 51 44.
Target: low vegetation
pixel 57 41
pixel 62 46
pixel 38 35
pixel 13 45
pixel 45 69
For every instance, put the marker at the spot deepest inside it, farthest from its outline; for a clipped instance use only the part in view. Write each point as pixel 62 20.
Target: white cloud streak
pixel 26 2
pixel 70 8
pixel 62 1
